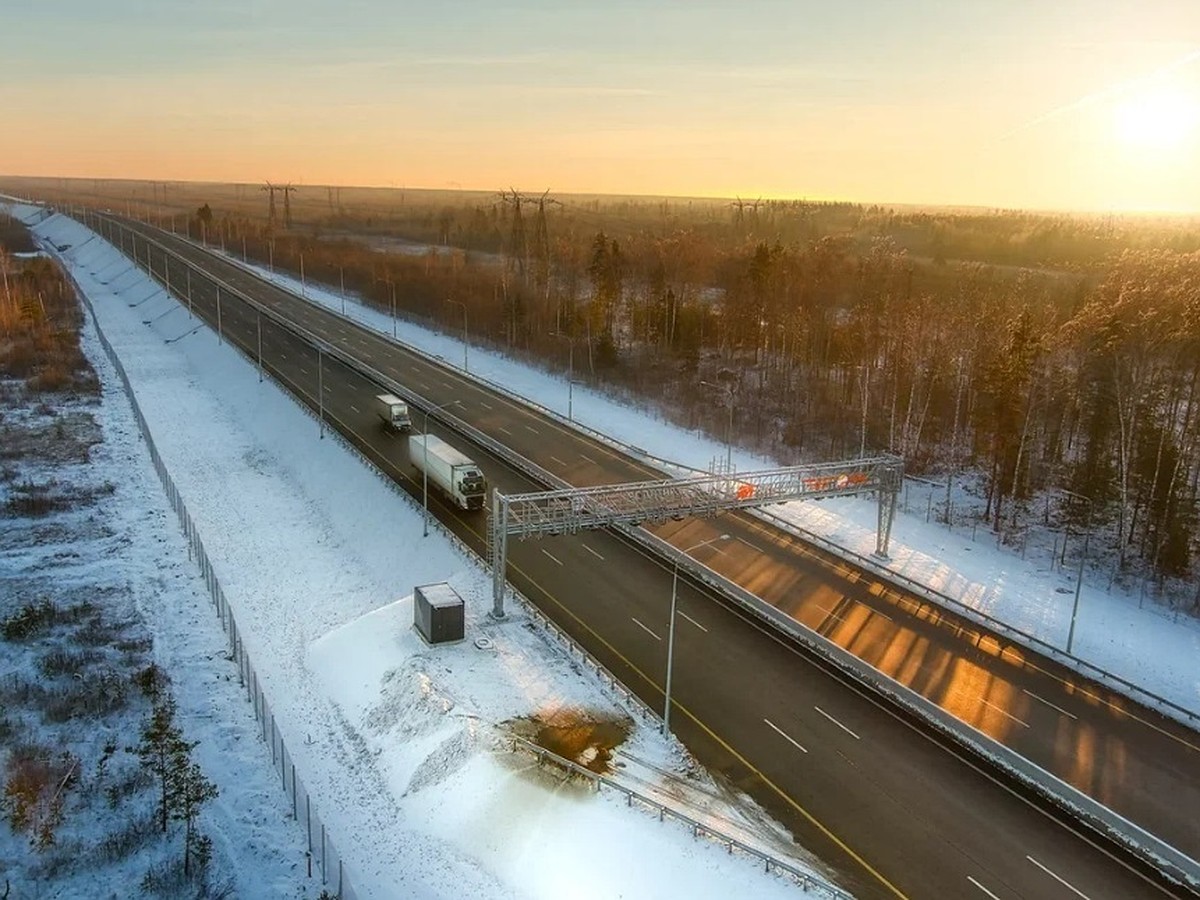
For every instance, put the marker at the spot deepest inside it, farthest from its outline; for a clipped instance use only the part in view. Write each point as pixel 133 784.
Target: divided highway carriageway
pixel 892 807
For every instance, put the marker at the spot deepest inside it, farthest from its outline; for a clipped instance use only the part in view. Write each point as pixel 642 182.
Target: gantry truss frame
pixel 571 510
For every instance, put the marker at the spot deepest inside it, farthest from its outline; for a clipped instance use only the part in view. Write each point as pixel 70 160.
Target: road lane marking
pixel 1058 878
pixel 645 629
pixel 837 723
pixel 829 612
pixel 754 547
pixel 552 556
pixel 982 888
pixel 505 430
pixel 1049 704
pixel 557 460
pixel 591 551
pixel 783 734
pixel 534 430
pixel 304 370
pixel 355 408
pixel 589 459
pixel 1001 709
pixel 486 405
pixel 693 621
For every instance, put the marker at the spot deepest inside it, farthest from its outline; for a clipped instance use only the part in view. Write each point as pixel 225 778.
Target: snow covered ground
pixel 1118 630
pixel 404 748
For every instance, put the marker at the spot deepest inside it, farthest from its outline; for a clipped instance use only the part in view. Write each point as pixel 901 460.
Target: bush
pixel 67 662
pixel 120 844
pixel 29 621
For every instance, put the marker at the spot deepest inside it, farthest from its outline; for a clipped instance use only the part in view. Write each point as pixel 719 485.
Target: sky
pixel 1073 104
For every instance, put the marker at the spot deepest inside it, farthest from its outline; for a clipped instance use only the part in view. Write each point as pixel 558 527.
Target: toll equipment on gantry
pixel 393 411
pixel 452 472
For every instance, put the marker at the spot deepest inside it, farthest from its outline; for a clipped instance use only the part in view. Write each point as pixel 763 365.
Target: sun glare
pixel 1157 118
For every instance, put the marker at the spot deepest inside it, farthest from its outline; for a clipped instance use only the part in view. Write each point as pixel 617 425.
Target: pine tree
pixel 190 790
pixel 160 750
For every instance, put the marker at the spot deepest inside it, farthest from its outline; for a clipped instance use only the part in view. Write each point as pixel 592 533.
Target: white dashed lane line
pixel 1004 711
pixel 684 615
pixel 552 556
pixel 645 629
pixel 783 734
pixel 837 723
pixel 1051 705
pixel 982 888
pixel 1059 879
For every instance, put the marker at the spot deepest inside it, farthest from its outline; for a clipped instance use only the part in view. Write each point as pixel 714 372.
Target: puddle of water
pixel 582 736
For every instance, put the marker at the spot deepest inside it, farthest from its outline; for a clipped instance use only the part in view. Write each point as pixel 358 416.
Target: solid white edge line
pixel 1058 878
pixel 783 734
pixel 837 723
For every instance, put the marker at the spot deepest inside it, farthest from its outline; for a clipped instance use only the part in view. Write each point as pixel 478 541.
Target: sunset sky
pixel 1068 104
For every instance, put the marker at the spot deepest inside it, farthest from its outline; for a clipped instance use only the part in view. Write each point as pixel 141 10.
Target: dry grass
pixel 39 323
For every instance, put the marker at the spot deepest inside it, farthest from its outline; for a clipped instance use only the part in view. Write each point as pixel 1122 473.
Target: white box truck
pixel 450 471
pixel 393 411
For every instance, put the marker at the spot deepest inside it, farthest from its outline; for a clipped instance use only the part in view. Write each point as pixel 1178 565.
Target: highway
pixel 889 808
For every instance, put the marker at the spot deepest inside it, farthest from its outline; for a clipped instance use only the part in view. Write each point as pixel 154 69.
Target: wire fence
pixel 321 851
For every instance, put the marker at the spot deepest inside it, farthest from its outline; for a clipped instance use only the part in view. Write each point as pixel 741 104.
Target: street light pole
pixel 1087 533
pixel 425 467
pixel 570 373
pixel 464 309
pixel 666 725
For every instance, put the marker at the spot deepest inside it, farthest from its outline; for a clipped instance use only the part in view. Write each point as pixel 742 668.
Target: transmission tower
pixel 519 247
pixel 288 190
pixel 270 189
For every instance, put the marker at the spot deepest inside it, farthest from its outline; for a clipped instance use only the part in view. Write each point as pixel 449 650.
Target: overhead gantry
pixel 571 510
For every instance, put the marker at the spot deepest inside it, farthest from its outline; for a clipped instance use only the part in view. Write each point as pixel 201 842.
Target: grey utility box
pixel 438 613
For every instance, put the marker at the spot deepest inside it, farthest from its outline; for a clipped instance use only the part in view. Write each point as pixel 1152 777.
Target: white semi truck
pixel 393 411
pixel 452 472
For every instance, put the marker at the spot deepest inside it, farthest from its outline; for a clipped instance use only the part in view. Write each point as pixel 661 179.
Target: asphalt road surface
pixel 889 809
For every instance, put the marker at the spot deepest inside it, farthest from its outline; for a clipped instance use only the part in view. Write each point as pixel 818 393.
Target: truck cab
pixel 393 412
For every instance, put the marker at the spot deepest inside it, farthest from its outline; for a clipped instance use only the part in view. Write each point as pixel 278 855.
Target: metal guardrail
pixel 328 859
pixel 806 880
pixel 1141 843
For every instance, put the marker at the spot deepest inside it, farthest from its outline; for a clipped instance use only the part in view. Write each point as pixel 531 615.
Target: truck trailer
pixel 452 472
pixel 393 411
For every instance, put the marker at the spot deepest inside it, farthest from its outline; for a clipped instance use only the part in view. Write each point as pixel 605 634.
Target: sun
pixel 1156 117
